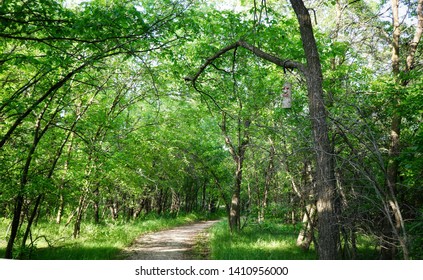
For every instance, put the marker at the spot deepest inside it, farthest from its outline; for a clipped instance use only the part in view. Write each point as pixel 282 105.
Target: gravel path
pixel 171 244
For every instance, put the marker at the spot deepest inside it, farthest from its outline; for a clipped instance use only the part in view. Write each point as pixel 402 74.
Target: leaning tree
pixel 312 71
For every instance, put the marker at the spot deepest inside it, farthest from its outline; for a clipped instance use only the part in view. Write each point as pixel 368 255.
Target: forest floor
pixel 172 244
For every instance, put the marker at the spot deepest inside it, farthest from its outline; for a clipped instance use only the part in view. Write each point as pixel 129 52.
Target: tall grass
pixel 96 242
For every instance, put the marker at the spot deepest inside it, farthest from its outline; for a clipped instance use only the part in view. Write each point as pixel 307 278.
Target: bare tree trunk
pixel 234 215
pixel 305 237
pixel 159 202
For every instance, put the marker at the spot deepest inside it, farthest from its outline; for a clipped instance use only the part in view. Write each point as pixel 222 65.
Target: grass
pixel 96 242
pixel 367 248
pixel 271 240
pixel 266 241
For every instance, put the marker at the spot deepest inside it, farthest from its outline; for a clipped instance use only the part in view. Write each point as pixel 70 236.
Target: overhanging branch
pixel 285 63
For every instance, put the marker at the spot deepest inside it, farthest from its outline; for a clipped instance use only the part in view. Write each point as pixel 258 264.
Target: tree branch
pixel 50 91
pixel 285 63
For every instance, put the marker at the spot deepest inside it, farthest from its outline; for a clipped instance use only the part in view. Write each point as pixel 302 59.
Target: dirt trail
pixel 171 244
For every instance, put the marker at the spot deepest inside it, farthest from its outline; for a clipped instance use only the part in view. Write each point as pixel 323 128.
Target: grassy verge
pixel 266 241
pixel 271 241
pixel 96 242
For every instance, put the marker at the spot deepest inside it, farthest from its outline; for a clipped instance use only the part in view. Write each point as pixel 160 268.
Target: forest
pixel 266 113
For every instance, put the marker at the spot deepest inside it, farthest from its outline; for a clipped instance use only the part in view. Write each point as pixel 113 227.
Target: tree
pixel 402 79
pixel 325 182
pixel 55 46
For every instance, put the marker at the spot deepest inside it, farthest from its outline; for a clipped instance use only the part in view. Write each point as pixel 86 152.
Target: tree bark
pixel 305 237
pixel 306 195
pixel 325 179
pixel 238 155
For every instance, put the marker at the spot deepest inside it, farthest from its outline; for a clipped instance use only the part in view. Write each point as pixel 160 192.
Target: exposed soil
pixel 172 244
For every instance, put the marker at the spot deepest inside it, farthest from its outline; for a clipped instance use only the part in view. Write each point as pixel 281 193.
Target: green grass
pixel 272 240
pixel 266 241
pixel 96 242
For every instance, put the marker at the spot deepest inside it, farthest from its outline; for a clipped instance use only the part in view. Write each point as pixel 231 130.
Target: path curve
pixel 171 244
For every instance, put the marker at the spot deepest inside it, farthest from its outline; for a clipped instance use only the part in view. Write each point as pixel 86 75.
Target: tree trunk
pixel 79 211
pixel 159 202
pixel 61 206
pixel 203 195
pixel 113 207
pixel 176 203
pixel 268 181
pixel 30 221
pixel 397 231
pixel 38 134
pixel 235 211
pixel 96 205
pixel 305 237
pixel 325 182
pixel 15 225
pixel 306 195
pixel 238 154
